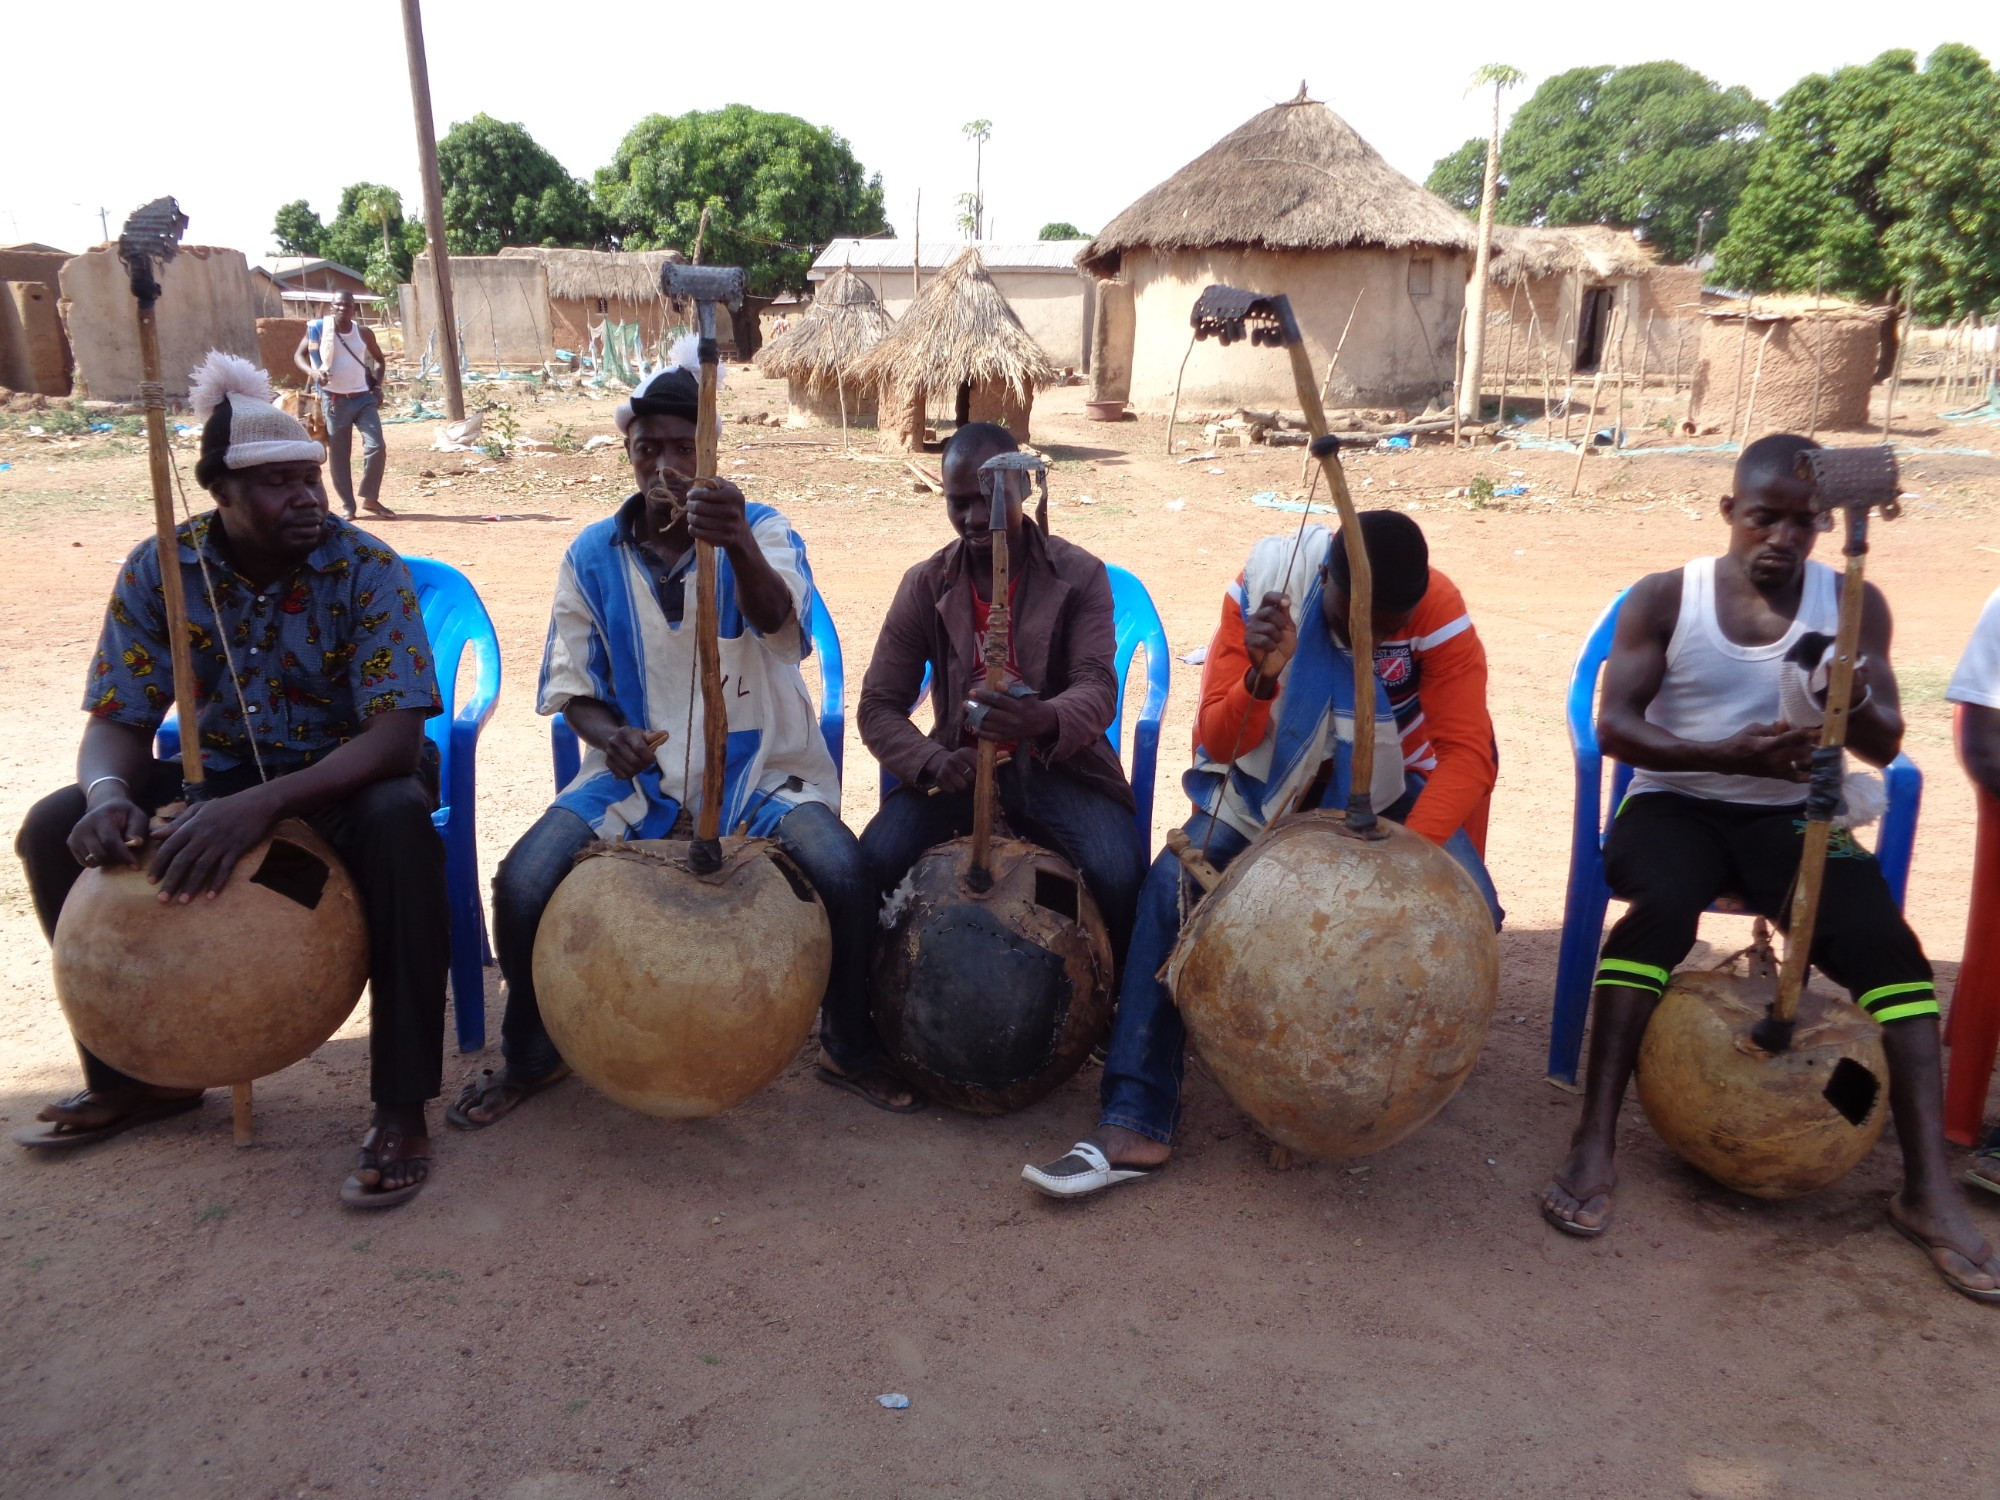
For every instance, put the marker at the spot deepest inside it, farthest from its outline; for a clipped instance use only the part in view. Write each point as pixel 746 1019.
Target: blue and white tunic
pixel 616 634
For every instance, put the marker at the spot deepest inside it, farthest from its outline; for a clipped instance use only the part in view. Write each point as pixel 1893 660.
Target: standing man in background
pixel 341 357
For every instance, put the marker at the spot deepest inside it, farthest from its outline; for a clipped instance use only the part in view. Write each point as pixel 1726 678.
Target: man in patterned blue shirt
pixel 314 680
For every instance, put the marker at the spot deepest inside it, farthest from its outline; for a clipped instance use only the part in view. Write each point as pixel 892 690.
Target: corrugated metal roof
pixel 999 255
pixel 282 266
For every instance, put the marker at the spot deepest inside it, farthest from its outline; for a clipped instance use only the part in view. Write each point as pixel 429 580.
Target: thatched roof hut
pixel 1786 364
pixel 816 356
pixel 959 341
pixel 1292 201
pixel 1581 296
pixel 590 287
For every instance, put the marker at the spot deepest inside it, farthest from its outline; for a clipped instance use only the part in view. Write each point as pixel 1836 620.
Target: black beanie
pixel 1398 557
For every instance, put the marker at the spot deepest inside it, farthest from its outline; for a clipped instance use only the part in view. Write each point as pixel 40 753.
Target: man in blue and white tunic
pixel 620 666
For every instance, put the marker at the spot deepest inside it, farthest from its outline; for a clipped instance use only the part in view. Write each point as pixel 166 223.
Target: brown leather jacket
pixel 1065 643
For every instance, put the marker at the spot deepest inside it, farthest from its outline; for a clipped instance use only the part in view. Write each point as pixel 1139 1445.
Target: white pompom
pixel 686 355
pixel 222 375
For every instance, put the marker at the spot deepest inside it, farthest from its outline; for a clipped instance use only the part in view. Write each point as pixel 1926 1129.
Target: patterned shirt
pixel 317 653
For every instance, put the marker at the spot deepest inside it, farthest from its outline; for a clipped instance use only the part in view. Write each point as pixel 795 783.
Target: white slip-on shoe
pixel 1084 1170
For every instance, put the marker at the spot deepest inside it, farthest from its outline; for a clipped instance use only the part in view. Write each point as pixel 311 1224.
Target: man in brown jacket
pixel 1062 785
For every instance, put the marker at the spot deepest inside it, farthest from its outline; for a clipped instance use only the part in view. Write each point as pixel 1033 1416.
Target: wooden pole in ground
pixel 1896 374
pixel 917 250
pixel 427 166
pixel 1750 407
pixel 1742 360
pixel 1596 386
pixel 1548 400
pixel 1645 351
pixel 1819 348
pixel 1457 376
pixel 1326 386
pixel 1507 362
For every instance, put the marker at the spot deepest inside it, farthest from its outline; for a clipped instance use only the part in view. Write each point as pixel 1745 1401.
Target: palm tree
pixel 978 132
pixel 380 204
pixel 1501 77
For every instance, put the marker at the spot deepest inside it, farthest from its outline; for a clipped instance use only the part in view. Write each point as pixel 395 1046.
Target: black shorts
pixel 1670 856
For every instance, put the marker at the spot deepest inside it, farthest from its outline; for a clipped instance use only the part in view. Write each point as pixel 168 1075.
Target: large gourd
pixel 209 993
pixel 1340 977
pixel 679 994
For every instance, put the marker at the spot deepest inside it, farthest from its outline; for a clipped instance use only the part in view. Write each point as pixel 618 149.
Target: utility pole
pixel 104 224
pixel 427 165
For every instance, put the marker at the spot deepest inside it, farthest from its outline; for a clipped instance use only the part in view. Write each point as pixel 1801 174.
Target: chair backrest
pixel 456 621
pixel 1139 628
pixel 832 708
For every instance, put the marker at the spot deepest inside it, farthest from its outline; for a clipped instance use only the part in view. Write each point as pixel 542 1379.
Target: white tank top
pixel 342 356
pixel 1715 687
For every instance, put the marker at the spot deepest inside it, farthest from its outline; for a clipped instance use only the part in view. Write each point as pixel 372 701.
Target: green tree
pixel 1813 201
pixel 369 233
pixel 776 187
pixel 1881 177
pixel 1650 146
pixel 298 230
pixel 502 188
pixel 1062 229
pixel 1459 177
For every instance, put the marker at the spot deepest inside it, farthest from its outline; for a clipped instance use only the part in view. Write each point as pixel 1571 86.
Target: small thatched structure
pixel 959 341
pixel 1762 362
pixel 590 287
pixel 816 356
pixel 1584 296
pixel 1292 201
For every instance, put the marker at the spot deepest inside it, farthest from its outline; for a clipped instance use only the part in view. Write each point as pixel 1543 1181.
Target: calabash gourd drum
pixel 1338 988
pixel 214 992
pixel 1773 1125
pixel 676 994
pixel 987 1000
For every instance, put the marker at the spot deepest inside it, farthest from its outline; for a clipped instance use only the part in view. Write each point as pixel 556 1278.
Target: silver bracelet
pixel 99 781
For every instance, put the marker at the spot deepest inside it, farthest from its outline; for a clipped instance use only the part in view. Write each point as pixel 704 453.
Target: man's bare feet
pixel 1958 1251
pixel 395 1159
pixel 874 1083
pixel 95 1116
pixel 1128 1148
pixel 1578 1199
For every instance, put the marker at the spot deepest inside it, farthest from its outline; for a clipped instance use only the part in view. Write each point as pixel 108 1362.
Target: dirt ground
pixel 587 1299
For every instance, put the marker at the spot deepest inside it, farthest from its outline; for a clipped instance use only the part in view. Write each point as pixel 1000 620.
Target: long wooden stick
pixel 1507 362
pixel 1756 375
pixel 1360 605
pixel 1904 329
pixel 705 856
pixel 1589 427
pixel 1819 350
pixel 1832 736
pixel 999 632
pixel 1457 381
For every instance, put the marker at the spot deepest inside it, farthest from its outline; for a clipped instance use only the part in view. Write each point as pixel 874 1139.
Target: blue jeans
pixel 1042 803
pixel 1144 1059
pixel 344 414
pixel 811 833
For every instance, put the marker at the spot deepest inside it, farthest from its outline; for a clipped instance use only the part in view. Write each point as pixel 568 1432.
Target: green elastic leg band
pixel 1624 970
pixel 1904 1012
pixel 1876 996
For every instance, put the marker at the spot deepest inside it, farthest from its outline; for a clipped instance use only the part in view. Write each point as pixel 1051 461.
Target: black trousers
pixel 384 836
pixel 1671 856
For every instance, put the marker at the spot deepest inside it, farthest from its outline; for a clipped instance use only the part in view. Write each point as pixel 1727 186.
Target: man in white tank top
pixel 339 354
pixel 1692 698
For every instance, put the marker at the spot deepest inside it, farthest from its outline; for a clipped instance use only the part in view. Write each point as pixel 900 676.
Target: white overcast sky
pixel 236 108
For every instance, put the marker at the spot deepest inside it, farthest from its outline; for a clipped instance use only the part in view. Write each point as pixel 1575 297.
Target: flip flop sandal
pixel 357 1194
pixel 1974 1178
pixel 853 1083
pixel 482 1091
pixel 1979 1257
pixel 53 1135
pixel 1569 1226
pixel 1083 1171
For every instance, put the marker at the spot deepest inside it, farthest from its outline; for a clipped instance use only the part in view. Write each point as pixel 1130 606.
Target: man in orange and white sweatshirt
pixel 1276 728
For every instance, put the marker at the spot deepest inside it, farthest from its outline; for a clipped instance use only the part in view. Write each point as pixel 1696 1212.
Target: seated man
pixel 1062 786
pixel 1975 688
pixel 1276 727
pixel 1691 697
pixel 314 679
pixel 621 668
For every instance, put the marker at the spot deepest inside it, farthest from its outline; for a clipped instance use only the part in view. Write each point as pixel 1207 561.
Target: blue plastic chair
pixel 568 754
pixel 455 620
pixel 1137 621
pixel 1589 896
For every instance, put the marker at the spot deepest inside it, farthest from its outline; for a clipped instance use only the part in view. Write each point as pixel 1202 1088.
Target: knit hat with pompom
pixel 241 424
